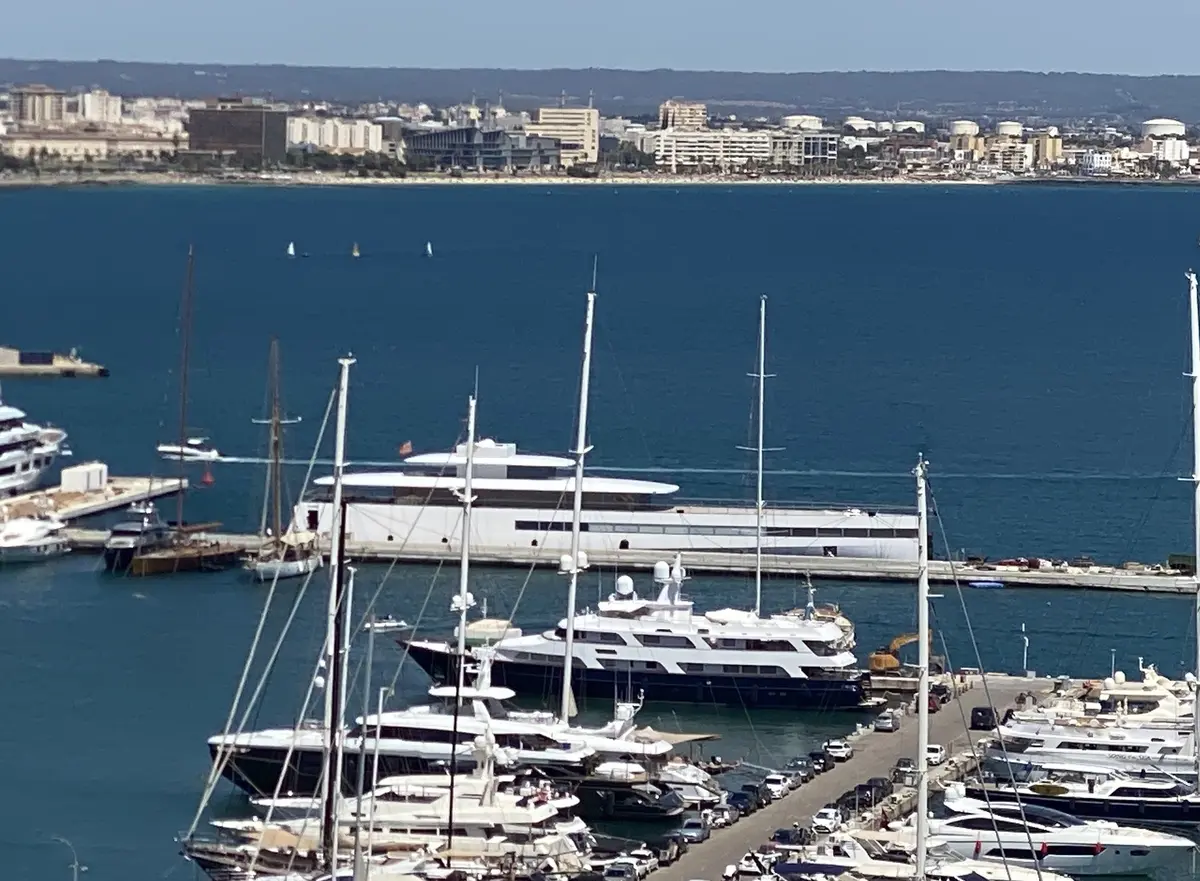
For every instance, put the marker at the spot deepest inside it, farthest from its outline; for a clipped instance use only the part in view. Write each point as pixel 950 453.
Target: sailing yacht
pixel 665 650
pixel 26 450
pixel 283 555
pixel 1032 835
pixel 291 249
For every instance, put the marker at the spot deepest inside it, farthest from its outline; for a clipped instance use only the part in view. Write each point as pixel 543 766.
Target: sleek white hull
pixel 34 551
pixel 1124 858
pixel 269 570
pixel 686 528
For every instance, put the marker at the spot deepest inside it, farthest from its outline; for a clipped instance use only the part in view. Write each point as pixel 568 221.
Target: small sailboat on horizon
pixel 354 250
pixel 291 249
pixel 428 249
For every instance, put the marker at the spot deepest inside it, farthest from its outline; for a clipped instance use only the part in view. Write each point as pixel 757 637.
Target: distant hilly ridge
pixel 898 94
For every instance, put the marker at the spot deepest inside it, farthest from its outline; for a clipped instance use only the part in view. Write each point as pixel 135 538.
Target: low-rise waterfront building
pixel 90 146
pixel 335 135
pixel 684 116
pixel 713 148
pixel 797 147
pixel 477 149
pixel 1095 163
pixel 1010 155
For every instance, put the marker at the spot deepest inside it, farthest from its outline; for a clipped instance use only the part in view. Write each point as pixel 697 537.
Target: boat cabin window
pixel 1145 792
pixel 1040 815
pixel 10 424
pixel 659 640
pixel 987 823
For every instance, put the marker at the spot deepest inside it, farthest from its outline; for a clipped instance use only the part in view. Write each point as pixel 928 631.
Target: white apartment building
pixel 332 134
pixel 684 116
pixel 100 107
pixel 796 147
pixel 1012 156
pixel 1174 150
pixel 1095 162
pixel 712 148
pixel 576 128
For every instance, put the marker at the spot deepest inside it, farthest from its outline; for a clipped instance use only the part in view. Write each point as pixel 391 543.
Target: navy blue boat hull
pixel 545 681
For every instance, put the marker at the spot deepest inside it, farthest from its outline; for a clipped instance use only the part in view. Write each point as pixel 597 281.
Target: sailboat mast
pixel 185 346
pixel 331 779
pixel 276 444
pixel 1194 319
pixel 464 602
pixel 758 498
pixel 922 666
pixel 581 450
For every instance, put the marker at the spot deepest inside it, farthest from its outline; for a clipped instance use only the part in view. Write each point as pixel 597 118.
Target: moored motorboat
pixel 31 539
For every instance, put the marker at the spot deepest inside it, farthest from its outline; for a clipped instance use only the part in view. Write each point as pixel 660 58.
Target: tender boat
pixel 31 539
pixel 193 449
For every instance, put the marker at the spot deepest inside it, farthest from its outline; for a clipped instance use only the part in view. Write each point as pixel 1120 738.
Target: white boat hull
pixel 269 570
pixel 35 551
pixel 680 528
pixel 174 455
pixel 1112 859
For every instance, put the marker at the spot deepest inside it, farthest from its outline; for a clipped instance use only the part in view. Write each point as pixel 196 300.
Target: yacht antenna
pixel 761 376
pixel 922 667
pixel 462 603
pixel 335 651
pixel 1194 317
pixel 581 450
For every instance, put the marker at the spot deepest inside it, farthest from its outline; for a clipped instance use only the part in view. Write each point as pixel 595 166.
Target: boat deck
pixel 14 362
pixel 875 754
pixel 68 505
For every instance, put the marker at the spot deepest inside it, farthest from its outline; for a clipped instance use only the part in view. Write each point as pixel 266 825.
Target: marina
pixel 450 765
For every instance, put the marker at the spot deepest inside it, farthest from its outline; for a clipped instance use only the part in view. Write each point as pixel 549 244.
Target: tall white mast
pixel 759 503
pixel 758 498
pixel 463 602
pixel 331 779
pixel 922 667
pixel 581 450
pixel 1194 317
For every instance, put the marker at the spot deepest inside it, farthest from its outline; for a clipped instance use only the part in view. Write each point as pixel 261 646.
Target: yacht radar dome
pixel 624 586
pixel 662 571
pixel 1119 677
pixel 1109 683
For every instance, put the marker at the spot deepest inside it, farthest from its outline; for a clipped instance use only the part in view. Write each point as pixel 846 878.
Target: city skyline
pixel 670 34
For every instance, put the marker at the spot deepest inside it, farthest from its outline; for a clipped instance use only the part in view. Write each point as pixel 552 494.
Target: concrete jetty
pixel 874 756
pixel 17 363
pixel 72 499
pixel 1146 580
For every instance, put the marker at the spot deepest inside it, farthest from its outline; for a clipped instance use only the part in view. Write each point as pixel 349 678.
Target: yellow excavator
pixel 887 660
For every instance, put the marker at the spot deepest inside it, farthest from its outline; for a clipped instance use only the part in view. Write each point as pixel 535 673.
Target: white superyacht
pixel 26 450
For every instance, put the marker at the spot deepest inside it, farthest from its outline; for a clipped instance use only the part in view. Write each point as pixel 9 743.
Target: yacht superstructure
pixel 665 649
pixel 31 539
pixel 26 450
pixel 523 502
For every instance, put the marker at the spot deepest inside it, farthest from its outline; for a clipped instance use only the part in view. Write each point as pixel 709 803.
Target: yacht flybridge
pixel 523 502
pixel 26 450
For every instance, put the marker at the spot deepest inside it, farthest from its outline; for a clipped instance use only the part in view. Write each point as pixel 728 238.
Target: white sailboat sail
pixel 291 249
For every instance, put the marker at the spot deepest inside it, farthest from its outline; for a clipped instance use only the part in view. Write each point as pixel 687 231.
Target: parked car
pixel 886 722
pixel 904 763
pixel 882 785
pixel 866 795
pixel 820 761
pixel 776 785
pixel 983 718
pixel 801 767
pixel 695 829
pixel 826 820
pixel 621 869
pixel 941 691
pixel 759 792
pixel 744 802
pixel 722 816
pixel 839 749
pixel 647 860
pixel 935 753
pixel 797 836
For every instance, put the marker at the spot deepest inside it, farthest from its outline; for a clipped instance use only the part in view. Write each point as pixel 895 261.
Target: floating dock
pixel 1143 580
pixel 16 363
pixel 875 755
pixel 86 490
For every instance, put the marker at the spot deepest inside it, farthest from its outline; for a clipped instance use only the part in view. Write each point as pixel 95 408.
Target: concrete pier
pixel 845 569
pixel 69 504
pixel 874 756
pixel 16 363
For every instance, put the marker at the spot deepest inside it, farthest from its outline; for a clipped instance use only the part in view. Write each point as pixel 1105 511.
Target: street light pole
pixel 76 868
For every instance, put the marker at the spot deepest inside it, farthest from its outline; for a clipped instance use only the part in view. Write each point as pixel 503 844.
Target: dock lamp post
pixel 76 867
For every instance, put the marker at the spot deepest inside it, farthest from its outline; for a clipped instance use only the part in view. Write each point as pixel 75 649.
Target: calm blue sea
pixel 1031 342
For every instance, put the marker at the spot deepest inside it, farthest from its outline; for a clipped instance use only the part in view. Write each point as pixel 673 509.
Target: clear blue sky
pixel 1107 36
